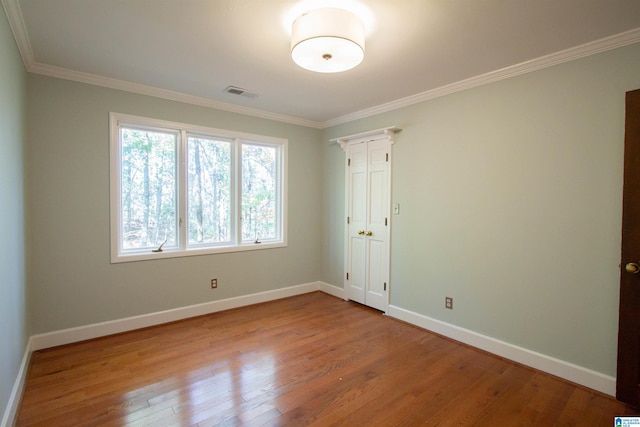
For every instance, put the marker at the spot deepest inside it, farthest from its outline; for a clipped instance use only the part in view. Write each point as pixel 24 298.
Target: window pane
pixel 259 197
pixel 209 191
pixel 148 193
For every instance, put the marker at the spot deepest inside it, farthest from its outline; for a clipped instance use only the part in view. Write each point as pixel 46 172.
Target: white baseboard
pixel 332 290
pixel 10 412
pixel 96 330
pixel 81 333
pixel 560 368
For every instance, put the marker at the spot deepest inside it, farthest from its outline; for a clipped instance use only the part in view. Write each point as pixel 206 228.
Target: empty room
pixel 306 212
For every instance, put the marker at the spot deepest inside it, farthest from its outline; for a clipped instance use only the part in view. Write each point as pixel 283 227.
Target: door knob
pixel 369 233
pixel 632 268
pixel 361 232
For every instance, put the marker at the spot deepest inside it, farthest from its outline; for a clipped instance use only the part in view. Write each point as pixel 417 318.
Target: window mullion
pixel 279 192
pixel 237 191
pixel 182 190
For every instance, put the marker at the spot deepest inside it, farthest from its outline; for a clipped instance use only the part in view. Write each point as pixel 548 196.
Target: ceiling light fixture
pixel 327 40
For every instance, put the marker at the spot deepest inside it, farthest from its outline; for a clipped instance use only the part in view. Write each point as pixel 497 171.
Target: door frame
pixel 388 133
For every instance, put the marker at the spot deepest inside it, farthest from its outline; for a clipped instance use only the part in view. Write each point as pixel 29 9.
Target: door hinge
pixel 347 276
pixel 348 220
pixel 348 162
pixel 386 221
pixel 387 157
pixel 385 286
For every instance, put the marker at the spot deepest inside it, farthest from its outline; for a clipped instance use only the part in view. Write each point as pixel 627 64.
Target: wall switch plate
pixel 396 208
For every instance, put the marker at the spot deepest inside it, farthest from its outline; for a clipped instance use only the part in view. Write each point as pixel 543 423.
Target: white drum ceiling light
pixel 327 40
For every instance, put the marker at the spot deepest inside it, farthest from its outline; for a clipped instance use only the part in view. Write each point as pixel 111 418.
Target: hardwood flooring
pixel 307 360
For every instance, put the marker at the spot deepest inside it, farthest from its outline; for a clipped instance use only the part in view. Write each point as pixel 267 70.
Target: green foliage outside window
pixel 148 188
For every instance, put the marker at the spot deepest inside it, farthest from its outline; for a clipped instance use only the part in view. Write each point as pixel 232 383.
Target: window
pixel 179 190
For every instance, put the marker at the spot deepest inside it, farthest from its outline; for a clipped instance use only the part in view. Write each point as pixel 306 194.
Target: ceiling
pixel 191 50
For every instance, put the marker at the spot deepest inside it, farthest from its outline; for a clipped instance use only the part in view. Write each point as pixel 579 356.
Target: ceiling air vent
pixel 239 91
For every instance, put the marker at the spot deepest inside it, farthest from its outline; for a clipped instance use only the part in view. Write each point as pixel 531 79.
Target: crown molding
pixel 93 79
pixel 18 28
pixel 587 49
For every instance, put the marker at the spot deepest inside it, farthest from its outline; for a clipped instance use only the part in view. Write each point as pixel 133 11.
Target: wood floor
pixel 307 360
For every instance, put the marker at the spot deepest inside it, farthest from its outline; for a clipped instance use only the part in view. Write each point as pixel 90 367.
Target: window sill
pixel 116 258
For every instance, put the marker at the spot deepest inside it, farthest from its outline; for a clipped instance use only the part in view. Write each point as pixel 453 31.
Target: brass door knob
pixel 369 233
pixel 361 232
pixel 632 268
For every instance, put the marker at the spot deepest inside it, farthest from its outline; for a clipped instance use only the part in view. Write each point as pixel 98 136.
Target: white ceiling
pixel 191 50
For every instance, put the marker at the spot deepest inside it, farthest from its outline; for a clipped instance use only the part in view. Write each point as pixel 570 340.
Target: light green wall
pixel 510 202
pixel 333 214
pixel 71 280
pixel 13 304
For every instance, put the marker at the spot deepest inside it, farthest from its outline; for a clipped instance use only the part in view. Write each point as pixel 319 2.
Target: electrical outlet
pixel 448 303
pixel 214 283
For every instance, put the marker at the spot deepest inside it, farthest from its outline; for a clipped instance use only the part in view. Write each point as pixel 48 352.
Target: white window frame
pixel 116 120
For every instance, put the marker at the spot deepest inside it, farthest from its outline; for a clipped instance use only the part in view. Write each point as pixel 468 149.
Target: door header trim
pixel 384 133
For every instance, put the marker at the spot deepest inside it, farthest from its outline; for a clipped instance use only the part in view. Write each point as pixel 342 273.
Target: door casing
pixel 366 282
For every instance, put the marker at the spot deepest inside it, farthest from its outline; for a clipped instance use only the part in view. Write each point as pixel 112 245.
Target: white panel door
pixel 357 208
pixel 368 206
pixel 377 233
